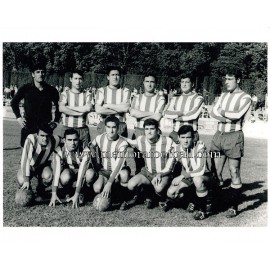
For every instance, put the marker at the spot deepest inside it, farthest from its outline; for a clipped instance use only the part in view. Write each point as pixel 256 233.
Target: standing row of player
pixel 113 100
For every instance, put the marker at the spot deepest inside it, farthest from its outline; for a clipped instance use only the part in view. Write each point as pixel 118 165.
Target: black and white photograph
pixel 135 134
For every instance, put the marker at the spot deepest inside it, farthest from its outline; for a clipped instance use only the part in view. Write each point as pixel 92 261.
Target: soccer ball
pixel 24 197
pixel 101 204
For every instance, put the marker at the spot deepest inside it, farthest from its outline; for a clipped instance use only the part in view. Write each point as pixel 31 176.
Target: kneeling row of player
pixel 154 183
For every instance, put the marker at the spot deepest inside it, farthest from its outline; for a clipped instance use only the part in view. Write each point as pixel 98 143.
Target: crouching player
pixel 192 156
pixel 152 179
pixel 70 163
pixel 112 148
pixel 35 160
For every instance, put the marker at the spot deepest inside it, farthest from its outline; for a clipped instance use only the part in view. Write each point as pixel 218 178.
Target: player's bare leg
pixel 202 193
pixel 99 184
pixel 219 165
pixel 90 177
pixel 235 189
pixel 66 178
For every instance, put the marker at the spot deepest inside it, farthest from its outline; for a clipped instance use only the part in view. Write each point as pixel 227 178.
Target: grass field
pixel 253 210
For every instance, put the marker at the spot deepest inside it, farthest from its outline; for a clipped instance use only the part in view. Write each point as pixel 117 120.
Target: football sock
pixel 235 193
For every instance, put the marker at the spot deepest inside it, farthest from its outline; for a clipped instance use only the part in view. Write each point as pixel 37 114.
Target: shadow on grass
pixel 260 197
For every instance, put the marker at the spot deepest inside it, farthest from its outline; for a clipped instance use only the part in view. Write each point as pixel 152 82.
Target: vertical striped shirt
pixel 233 106
pixel 113 153
pixel 154 104
pixel 155 154
pixel 69 98
pixel 34 154
pixel 106 95
pixel 76 160
pixel 190 106
pixel 193 161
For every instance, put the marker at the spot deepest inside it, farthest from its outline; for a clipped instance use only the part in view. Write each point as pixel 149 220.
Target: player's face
pixel 151 132
pixel 114 78
pixel 72 142
pixel 76 81
pixel 149 84
pixel 186 85
pixel 43 138
pixel 39 75
pixel 111 130
pixel 186 140
pixel 231 83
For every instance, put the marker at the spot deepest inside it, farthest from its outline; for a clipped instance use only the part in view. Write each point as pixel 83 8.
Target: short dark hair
pixel 37 66
pixel 114 119
pixel 46 128
pixel 233 71
pixel 71 131
pixel 185 129
pixel 110 68
pixel 151 122
pixel 150 74
pixel 76 71
pixel 187 75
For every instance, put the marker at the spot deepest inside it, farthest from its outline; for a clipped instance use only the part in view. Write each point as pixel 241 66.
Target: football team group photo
pixel 135 134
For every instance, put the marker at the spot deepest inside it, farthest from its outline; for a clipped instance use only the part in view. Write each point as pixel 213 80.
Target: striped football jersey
pixel 233 106
pixel 69 98
pixel 34 154
pixel 106 95
pixel 154 104
pixel 189 105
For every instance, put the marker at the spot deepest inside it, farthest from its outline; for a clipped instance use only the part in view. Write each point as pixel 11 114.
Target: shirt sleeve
pixel 215 114
pixel 245 103
pixel 16 101
pixel 56 166
pixel 26 157
pixel 119 162
pixel 195 111
pixel 160 105
pixel 86 159
pixel 100 96
pixel 63 98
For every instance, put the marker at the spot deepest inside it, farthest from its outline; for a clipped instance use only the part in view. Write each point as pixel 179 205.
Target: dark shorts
pixel 174 136
pixel 150 176
pixel 107 173
pixel 37 171
pixel 230 144
pixel 122 129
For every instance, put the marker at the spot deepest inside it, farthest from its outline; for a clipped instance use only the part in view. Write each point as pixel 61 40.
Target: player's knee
pixel 89 176
pixel 46 176
pixel 171 193
pixel 66 178
pixel 124 177
pixel 97 187
pixel 131 185
pixel 159 189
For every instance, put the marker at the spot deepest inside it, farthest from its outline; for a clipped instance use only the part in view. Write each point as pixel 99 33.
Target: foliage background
pixel 167 60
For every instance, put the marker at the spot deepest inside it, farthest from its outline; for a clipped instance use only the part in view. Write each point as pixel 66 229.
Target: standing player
pixel 185 109
pixel 75 104
pixel 152 178
pixel 113 150
pixel 113 100
pixel 192 157
pixel 35 159
pixel 145 106
pixel 230 111
pixel 70 163
pixel 38 97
